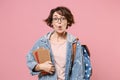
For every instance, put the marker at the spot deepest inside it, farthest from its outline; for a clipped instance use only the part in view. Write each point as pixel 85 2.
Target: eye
pixel 63 18
pixel 55 19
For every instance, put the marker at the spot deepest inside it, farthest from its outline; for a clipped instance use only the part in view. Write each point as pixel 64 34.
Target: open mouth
pixel 59 26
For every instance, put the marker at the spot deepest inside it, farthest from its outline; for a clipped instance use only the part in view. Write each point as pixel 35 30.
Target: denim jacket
pixel 75 73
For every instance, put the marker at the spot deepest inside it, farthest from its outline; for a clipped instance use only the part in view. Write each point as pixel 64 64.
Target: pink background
pixel 97 25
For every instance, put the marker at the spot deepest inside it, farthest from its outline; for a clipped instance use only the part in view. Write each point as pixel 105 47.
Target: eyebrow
pixel 56 16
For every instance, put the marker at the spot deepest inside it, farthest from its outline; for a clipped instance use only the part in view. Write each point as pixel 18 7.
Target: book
pixel 42 55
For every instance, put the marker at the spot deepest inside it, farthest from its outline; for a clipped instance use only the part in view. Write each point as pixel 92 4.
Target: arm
pixel 36 68
pixel 32 64
pixel 78 65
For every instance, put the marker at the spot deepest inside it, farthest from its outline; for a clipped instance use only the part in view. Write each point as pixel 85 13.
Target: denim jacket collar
pixel 70 38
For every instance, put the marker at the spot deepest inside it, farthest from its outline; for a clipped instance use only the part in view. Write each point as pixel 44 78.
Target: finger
pixel 52 69
pixel 50 62
pixel 51 72
pixel 52 65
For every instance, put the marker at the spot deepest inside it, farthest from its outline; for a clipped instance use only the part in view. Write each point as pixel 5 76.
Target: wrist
pixel 38 68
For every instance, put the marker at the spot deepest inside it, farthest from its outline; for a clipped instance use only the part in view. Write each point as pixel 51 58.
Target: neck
pixel 59 36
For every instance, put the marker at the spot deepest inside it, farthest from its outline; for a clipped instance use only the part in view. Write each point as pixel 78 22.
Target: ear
pixel 52 24
pixel 68 24
pixel 67 27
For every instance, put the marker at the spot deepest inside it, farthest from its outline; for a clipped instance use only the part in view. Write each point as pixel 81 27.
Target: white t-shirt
pixel 59 52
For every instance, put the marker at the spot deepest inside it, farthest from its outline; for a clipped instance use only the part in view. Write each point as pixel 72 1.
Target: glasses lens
pixel 57 19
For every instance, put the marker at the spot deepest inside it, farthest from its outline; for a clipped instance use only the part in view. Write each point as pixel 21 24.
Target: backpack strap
pixel 74 45
pixel 74 50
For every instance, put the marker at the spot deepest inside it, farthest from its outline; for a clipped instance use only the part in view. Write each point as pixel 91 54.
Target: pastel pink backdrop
pixel 97 25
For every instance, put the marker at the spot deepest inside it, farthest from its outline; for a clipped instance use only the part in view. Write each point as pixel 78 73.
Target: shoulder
pixel 72 38
pixel 44 37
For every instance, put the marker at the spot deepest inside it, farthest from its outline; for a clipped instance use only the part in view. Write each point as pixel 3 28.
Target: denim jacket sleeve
pixel 31 63
pixel 78 65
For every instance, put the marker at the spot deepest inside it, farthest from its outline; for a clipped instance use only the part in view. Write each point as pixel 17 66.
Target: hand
pixel 47 67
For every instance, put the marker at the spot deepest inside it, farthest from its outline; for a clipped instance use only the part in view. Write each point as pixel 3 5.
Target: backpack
pixel 86 60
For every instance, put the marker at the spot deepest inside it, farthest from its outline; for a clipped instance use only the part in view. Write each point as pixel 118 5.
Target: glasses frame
pixel 62 19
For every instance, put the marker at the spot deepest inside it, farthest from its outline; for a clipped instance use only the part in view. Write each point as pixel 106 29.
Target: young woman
pixel 59 42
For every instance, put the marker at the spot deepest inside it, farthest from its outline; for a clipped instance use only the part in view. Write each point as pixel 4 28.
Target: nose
pixel 59 21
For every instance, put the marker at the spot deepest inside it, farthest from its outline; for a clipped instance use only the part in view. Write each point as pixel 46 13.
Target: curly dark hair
pixel 64 11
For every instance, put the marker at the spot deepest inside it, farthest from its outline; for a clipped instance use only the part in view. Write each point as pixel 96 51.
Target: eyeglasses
pixel 61 19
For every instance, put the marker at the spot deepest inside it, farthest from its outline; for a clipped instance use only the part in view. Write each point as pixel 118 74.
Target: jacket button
pixel 78 44
pixel 38 47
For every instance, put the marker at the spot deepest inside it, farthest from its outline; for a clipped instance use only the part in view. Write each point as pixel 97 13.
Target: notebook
pixel 42 55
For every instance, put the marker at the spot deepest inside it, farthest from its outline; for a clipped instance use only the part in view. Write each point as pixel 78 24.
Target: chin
pixel 60 32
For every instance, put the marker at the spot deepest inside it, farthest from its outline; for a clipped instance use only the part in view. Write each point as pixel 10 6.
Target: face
pixel 59 23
